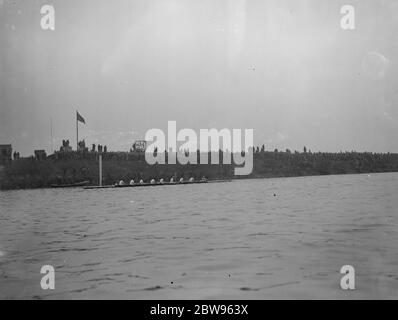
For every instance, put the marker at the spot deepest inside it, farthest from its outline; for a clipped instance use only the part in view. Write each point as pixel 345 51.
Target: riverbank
pixel 29 173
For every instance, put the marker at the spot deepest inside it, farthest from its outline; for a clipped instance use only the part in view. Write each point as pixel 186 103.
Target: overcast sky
pixel 283 68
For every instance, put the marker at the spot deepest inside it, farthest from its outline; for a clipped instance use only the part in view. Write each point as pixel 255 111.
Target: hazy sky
pixel 283 68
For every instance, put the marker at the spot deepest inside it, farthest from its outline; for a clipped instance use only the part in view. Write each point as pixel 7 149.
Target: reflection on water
pixel 270 238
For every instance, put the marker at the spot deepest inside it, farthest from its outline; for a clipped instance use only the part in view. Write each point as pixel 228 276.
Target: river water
pixel 257 239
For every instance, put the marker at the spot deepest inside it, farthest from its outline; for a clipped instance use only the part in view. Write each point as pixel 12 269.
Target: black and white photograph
pixel 198 150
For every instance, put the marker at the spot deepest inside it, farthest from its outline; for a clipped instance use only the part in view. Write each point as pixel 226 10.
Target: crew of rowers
pixel 161 181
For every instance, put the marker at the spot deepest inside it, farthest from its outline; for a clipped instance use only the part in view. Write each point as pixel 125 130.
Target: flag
pixel 80 118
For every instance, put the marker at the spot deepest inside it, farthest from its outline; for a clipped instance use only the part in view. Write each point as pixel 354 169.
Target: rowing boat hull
pixel 71 185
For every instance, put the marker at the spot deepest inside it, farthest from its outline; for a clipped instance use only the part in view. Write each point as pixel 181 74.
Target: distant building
pixel 82 146
pixel 5 152
pixel 139 146
pixel 65 146
pixel 40 155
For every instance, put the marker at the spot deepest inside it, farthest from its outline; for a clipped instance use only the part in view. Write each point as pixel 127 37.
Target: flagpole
pixel 77 134
pixel 51 129
pixel 100 170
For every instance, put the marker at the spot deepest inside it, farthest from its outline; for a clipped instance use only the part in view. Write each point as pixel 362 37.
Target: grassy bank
pixel 74 167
